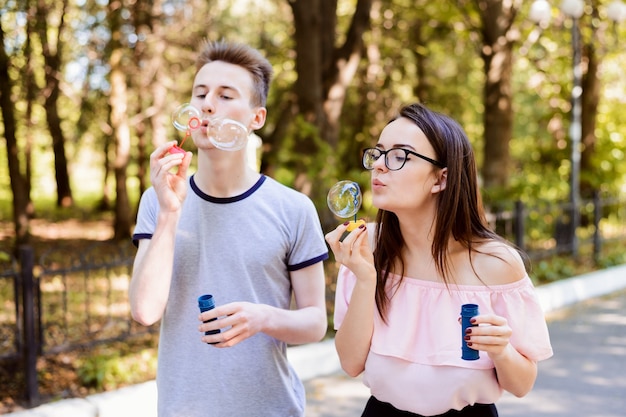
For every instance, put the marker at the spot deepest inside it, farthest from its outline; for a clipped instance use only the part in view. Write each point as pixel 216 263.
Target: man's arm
pixel 152 273
pixel 152 269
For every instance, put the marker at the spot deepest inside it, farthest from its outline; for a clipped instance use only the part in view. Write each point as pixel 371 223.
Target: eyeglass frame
pixel 406 158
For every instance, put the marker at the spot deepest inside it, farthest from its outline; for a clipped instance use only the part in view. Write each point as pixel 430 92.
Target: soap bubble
pixel 186 117
pixel 344 199
pixel 227 134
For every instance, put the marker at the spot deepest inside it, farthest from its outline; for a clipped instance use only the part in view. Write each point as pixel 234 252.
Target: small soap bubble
pixel 227 134
pixel 344 199
pixel 186 117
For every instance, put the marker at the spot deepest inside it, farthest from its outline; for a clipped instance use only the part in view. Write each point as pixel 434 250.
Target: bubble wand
pixel 185 118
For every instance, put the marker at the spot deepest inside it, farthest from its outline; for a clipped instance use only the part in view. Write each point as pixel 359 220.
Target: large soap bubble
pixel 344 199
pixel 227 134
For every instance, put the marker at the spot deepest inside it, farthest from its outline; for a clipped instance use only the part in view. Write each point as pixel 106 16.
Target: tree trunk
pixel 118 102
pixel 308 86
pixel 590 100
pixel 153 62
pixel 324 74
pixel 51 92
pixel 422 88
pixel 497 52
pixel 18 187
pixel 31 96
pixel 339 72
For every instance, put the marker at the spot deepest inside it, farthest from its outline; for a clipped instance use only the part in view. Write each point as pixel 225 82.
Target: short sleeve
pixel 308 245
pixel 146 216
pixel 526 317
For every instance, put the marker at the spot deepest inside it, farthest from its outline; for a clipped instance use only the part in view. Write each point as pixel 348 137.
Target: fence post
pixel 597 217
pixel 519 224
pixel 27 262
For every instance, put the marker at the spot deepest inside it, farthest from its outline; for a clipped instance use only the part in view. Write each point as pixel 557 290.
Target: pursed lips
pixel 204 125
pixel 376 183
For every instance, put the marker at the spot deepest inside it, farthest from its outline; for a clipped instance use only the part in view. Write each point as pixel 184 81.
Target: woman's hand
pixel 354 251
pixel 516 373
pixel 491 334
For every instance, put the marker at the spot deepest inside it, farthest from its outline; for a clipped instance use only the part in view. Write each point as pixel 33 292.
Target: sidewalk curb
pixel 563 293
pixel 312 360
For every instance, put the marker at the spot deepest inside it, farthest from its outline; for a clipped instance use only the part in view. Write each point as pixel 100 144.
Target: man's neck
pixel 223 174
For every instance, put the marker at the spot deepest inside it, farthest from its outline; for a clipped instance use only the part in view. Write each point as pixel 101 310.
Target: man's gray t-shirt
pixel 238 249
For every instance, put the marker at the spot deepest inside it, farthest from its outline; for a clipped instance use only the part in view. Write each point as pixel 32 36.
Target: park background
pixel 87 89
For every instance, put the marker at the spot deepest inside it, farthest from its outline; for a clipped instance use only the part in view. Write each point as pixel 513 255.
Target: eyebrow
pixel 397 145
pixel 221 87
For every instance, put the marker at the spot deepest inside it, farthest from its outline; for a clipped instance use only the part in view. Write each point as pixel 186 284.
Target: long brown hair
pixel 460 212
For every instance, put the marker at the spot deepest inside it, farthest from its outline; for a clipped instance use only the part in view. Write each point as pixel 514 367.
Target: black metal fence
pixel 546 229
pixel 67 299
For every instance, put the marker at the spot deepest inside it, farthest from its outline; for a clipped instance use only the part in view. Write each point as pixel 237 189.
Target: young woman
pixel 404 279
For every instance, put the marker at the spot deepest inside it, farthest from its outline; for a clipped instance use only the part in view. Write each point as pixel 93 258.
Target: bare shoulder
pixel 498 263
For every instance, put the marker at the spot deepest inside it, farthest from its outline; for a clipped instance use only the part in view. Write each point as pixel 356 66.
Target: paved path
pixel 586 377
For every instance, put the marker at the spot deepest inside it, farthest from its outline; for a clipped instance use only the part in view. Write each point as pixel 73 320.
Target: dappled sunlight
pixel 71 229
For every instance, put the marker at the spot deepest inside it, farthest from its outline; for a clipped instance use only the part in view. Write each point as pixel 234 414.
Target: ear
pixel 258 120
pixel 441 181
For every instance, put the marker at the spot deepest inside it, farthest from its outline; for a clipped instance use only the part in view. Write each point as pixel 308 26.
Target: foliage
pixel 560 267
pixel 613 256
pixel 108 369
pixel 553 269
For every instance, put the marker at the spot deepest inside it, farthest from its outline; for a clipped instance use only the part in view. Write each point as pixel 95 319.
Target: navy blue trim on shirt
pixel 310 262
pixel 225 200
pixel 138 236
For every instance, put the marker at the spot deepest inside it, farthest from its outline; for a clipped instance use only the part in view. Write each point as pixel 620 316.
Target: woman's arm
pixel 516 373
pixel 500 264
pixel 354 336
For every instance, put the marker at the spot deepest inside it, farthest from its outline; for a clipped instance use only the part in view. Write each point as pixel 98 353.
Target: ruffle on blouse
pixel 422 319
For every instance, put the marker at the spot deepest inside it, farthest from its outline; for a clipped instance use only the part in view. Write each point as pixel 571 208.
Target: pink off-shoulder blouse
pixel 415 361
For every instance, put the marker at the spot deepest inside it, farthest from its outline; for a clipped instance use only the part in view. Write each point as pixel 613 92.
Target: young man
pixel 241 236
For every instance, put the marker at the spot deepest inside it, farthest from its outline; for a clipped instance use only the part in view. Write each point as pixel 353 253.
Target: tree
pixel 18 181
pixel 325 71
pixel 118 103
pixel 52 48
pixel 498 36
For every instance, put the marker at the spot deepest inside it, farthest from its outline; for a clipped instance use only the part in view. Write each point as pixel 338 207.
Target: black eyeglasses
pixel 395 158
